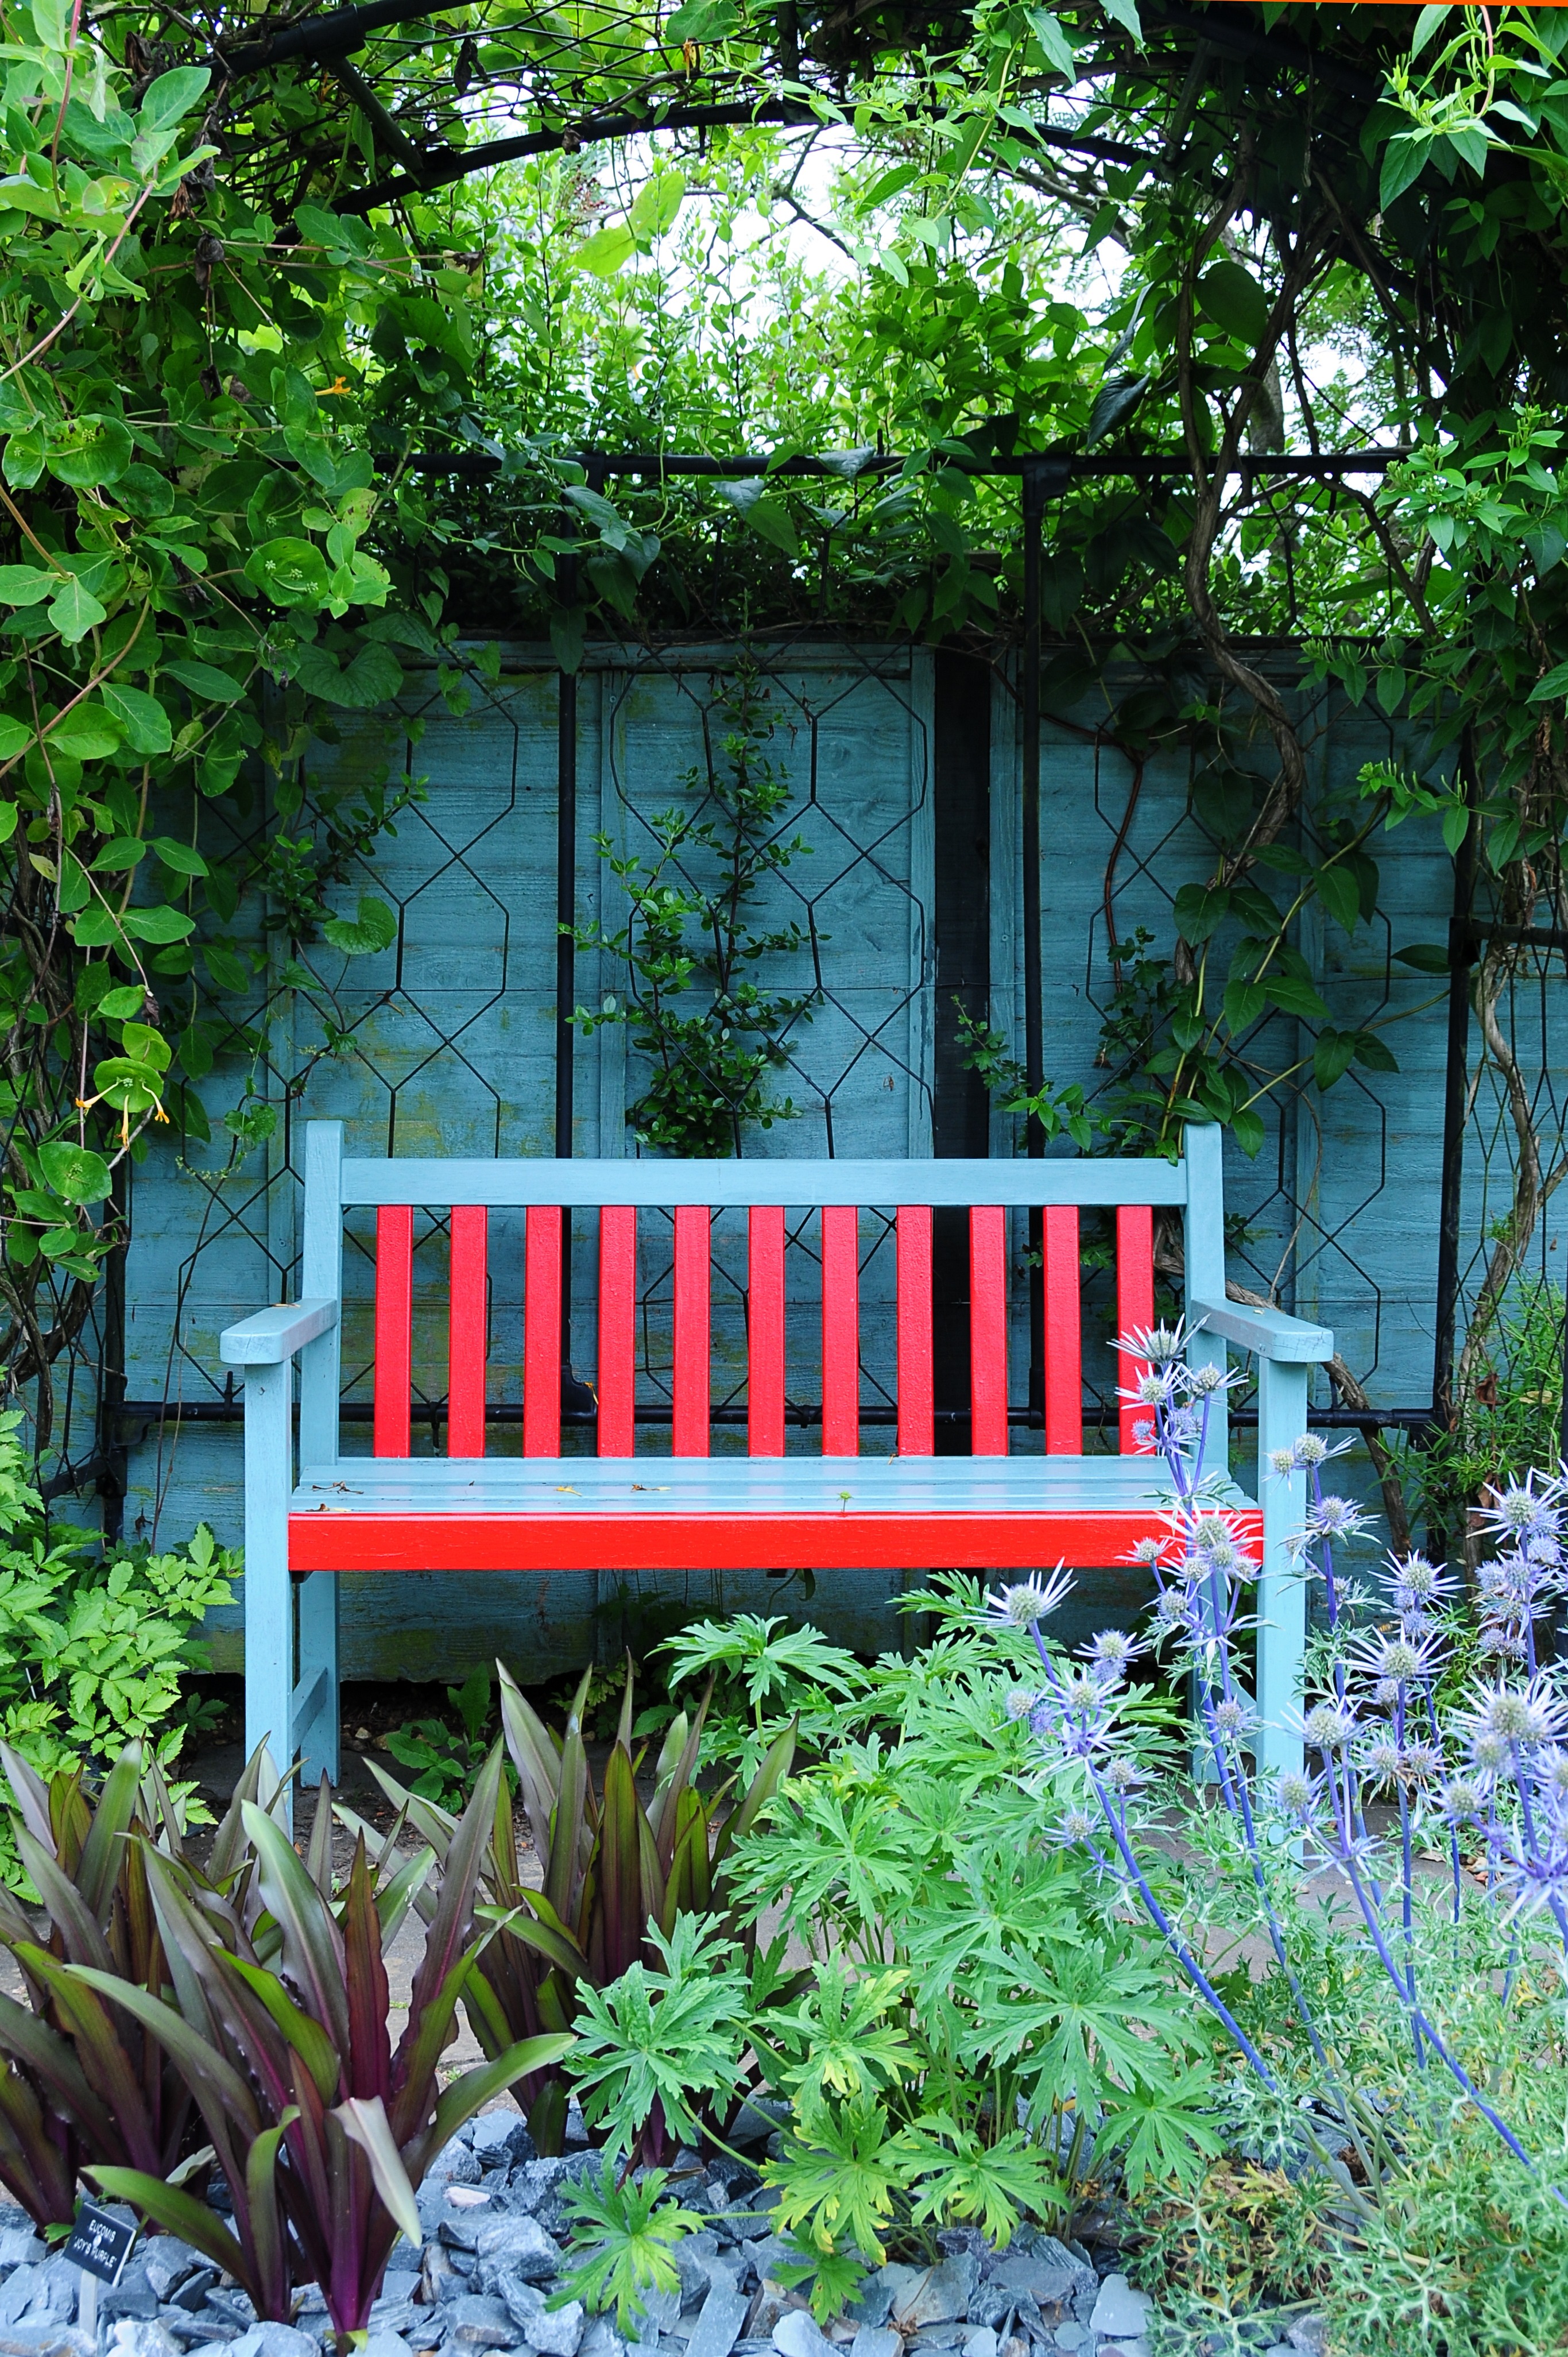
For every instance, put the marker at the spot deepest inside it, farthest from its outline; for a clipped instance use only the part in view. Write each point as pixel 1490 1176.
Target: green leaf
pixel 1230 295
pixel 74 1172
pixel 14 736
pixel 162 925
pixel 1124 13
pixel 1455 827
pixel 1338 891
pixel 88 451
pixel 365 2124
pixel 181 856
pixel 290 572
pixel 1200 910
pixel 768 516
pixel 1049 32
pixel 75 612
pixel 702 20
pixel 658 203
pixel 1546 691
pixel 24 460
pixel 172 96
pixel 141 715
pixel 1426 957
pixel 373 929
pixel 26 585
pixel 606 250
pixel 1293 996
pixel 1404 159
pixel 1114 404
pixel 86 731
pixel 1332 1056
pixel 177 2212
pixel 206 682
pixel 1375 1053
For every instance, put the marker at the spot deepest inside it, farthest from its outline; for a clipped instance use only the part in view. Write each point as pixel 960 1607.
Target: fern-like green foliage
pixel 621 2240
pixel 662 2041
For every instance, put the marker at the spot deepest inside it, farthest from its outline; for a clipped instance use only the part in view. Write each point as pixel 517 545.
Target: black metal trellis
pixel 1040 479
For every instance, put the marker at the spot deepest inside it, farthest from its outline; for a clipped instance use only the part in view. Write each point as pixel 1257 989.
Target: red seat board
pixel 335 1540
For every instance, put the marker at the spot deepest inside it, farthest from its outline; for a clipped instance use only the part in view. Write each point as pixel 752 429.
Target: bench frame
pixel 292 1657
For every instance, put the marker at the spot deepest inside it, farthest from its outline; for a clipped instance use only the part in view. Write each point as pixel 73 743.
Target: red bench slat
pixel 467 1331
pixel 689 1435
pixel 541 1333
pixel 394 1328
pixel 1064 1332
pixel 988 1329
pixel 618 1329
pixel 840 1330
pixel 764 1330
pixel 1134 1308
pixel 917 1396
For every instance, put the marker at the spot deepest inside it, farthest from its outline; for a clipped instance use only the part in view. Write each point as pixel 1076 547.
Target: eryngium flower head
pixel 1234 1716
pixel 1336 1519
pixel 1110 1653
pixel 1381 1759
pixel 1029 1600
pixel 1147 1552
pixel 1328 1727
pixel 1123 1775
pixel 1417 1586
pixel 1075 1828
pixel 1516 1716
pixel 1021 1701
pixel 1161 1346
pixel 1460 1802
pixel 1297 1792
pixel 1396 1660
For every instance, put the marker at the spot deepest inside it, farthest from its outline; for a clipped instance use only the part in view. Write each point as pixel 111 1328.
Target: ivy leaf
pixel 74 1171
pixel 181 856
pixel 159 925
pixel 374 928
pixel 1052 40
pixel 1200 910
pixel 1293 996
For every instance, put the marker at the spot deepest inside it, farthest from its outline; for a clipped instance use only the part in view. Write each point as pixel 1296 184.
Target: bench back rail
pixel 774 1195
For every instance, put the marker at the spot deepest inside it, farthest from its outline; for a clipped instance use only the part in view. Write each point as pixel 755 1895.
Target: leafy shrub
pixel 622 2236
pixel 614 1873
pixel 94 1642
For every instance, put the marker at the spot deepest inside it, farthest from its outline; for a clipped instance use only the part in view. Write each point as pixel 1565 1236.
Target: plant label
pixel 99 2245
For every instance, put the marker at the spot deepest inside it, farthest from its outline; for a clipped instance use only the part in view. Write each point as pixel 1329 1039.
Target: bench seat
pixel 730 1513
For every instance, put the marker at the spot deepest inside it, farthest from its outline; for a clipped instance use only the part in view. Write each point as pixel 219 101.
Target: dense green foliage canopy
pixel 310 329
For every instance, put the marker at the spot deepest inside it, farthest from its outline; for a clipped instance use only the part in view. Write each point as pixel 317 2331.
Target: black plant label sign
pixel 100 2244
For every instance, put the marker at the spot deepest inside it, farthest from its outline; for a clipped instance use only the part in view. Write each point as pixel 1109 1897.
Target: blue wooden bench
pixel 473 1512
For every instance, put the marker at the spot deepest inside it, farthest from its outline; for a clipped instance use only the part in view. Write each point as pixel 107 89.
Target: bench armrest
pixel 1292 1341
pixel 273 1336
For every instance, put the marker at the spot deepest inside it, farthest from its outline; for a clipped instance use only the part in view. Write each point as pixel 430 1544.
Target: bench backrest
pixel 835 1191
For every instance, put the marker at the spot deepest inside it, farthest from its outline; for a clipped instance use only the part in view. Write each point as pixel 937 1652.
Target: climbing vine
pixel 695 1004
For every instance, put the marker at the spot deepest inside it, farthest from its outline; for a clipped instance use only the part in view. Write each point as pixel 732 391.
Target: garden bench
pixel 467 1510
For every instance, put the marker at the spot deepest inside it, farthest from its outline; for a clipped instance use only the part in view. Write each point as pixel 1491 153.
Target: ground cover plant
pixel 95 1641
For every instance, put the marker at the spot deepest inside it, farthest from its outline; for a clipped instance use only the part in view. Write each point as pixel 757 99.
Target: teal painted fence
pixel 444 1044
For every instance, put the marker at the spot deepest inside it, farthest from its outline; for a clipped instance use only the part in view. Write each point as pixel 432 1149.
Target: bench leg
pixel 316 1720
pixel 269 1605
pixel 1282 1589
